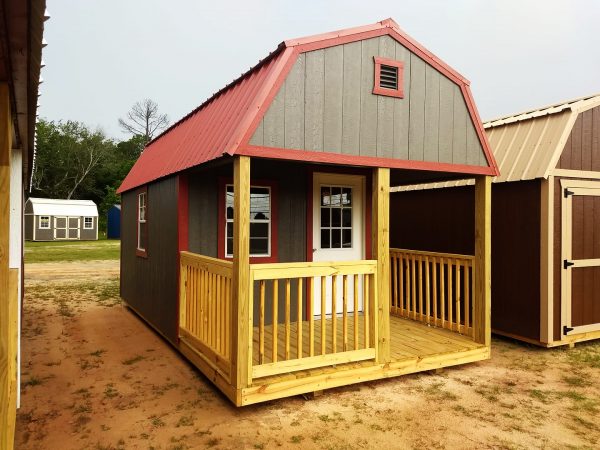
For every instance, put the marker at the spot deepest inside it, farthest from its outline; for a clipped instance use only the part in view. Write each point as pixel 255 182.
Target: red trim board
pixel 364 161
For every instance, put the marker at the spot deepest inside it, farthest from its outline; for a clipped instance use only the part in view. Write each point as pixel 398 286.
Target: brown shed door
pixel 581 256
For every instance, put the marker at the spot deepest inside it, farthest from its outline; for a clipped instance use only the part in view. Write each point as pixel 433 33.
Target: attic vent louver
pixel 389 80
pixel 388 77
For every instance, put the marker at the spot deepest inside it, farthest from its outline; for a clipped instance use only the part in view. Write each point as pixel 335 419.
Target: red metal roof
pixel 212 130
pixel 223 125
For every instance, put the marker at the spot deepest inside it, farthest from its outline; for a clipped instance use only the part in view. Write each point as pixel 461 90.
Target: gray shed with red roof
pixel 302 149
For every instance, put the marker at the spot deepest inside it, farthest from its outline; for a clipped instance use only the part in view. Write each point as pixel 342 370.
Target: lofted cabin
pixel 255 231
pixel 546 255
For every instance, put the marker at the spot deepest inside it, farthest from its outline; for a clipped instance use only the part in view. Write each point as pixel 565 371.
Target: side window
pixel 260 221
pixel 45 222
pixel 88 223
pixel 142 224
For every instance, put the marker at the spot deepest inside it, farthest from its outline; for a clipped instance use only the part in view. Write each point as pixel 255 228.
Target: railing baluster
pixel 310 296
pixel 450 296
pixel 323 313
pixel 287 318
pixel 408 287
pixel 442 293
pixel 334 314
pixel 299 319
pixel 401 275
pixel 467 298
pixel 213 309
pixel 345 315
pixel 261 322
pixel 356 312
pixel 457 289
pixel 414 287
pixel 275 320
pixel 435 289
pixel 394 271
pixel 217 317
pixel 366 306
pixel 427 291
pixel 420 289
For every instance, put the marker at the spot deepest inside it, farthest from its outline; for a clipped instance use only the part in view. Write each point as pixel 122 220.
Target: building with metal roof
pixel 49 219
pixel 546 199
pixel 21 42
pixel 287 170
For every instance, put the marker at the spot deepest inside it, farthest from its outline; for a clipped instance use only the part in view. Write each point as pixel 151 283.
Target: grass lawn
pixel 36 252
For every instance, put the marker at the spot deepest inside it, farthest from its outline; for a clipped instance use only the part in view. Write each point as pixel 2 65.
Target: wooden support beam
pixel 381 252
pixel 482 294
pixel 8 298
pixel 241 311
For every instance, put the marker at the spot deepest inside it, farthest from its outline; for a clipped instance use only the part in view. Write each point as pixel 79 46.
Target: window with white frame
pixel 44 222
pixel 88 223
pixel 142 224
pixel 260 221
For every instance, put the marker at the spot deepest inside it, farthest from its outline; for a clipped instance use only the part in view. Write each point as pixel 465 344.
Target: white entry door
pixel 338 231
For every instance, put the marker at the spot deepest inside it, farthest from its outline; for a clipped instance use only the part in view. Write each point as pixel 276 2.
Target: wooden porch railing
pixel 434 288
pixel 286 337
pixel 205 307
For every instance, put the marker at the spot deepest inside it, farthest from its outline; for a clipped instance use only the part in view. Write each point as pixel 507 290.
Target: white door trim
pixel 358 184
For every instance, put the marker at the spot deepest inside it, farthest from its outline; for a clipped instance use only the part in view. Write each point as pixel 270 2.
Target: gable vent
pixel 388 77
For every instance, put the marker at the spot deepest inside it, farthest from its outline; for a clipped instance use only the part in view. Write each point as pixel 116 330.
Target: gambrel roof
pixel 224 124
pixel 60 207
pixel 528 145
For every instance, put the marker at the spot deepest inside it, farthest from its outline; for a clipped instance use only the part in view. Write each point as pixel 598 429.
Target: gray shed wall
pixel 47 234
pixel 149 285
pixel 326 104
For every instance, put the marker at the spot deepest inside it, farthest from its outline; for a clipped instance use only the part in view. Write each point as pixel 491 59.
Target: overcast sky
pixel 104 55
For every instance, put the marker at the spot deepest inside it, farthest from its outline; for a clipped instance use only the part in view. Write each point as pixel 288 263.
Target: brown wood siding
pixel 582 149
pixel 149 285
pixel 516 210
pixel 327 104
pixel 438 220
pixel 442 220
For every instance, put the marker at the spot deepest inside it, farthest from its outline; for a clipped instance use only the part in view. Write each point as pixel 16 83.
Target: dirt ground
pixel 94 376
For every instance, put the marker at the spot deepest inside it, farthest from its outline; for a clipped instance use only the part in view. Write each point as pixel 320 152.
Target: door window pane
pixel 325 242
pixel 336 238
pixel 336 217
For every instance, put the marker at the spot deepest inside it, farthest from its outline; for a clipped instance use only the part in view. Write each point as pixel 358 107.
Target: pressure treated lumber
pixel 241 311
pixel 482 292
pixel 381 253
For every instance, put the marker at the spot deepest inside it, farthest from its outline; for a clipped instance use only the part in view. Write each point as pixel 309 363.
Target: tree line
pixel 74 161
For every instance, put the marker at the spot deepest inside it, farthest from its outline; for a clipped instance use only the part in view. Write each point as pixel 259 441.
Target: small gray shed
pixel 60 220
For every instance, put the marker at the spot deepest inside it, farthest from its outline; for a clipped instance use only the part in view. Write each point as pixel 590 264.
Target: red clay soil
pixel 95 376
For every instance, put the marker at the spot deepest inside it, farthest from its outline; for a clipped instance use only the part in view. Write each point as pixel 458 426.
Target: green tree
pixel 68 154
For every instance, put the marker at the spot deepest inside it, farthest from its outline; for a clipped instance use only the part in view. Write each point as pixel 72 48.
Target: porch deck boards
pixel 409 340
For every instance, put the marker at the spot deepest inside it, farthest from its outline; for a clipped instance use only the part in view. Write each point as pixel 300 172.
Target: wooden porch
pixel 266 331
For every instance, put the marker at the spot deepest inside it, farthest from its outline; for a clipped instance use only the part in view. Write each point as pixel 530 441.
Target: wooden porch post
pixel 381 252
pixel 241 271
pixel 483 270
pixel 8 296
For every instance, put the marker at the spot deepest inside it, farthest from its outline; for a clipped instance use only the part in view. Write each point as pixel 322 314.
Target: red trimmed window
pixel 389 77
pixel 263 221
pixel 142 223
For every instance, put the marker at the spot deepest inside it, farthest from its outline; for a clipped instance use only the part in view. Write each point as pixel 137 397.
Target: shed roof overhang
pixel 224 124
pixel 21 41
